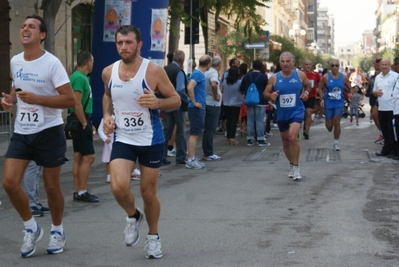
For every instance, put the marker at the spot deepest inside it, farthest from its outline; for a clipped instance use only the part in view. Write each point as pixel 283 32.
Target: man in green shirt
pixel 83 149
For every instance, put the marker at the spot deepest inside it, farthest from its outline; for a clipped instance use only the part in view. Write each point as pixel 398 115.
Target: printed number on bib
pixel 287 101
pixel 30 117
pixel 335 94
pixel 132 121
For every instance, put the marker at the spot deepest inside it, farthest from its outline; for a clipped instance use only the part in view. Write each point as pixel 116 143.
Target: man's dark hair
pixel 243 69
pixel 257 65
pixel 233 75
pixel 42 25
pixel 125 29
pixel 232 61
pixel 396 61
pixel 83 57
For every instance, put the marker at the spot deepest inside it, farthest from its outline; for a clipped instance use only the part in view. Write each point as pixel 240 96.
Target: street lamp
pixel 295 32
pixel 314 48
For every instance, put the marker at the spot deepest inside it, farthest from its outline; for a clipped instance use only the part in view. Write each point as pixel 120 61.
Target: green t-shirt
pixel 80 83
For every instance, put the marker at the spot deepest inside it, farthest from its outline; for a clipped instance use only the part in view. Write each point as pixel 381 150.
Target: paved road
pixel 240 211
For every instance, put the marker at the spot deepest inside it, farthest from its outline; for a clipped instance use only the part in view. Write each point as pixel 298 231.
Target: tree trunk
pixel 50 10
pixel 174 28
pixel 204 26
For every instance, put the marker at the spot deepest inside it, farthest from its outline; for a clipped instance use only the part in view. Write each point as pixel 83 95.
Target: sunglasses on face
pixel 333 65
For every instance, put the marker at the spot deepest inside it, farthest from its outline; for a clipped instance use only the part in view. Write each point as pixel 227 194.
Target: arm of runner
pixel 269 94
pixel 108 121
pixel 157 79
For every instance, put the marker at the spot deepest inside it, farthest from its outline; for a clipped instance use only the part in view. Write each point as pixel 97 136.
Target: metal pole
pixel 191 29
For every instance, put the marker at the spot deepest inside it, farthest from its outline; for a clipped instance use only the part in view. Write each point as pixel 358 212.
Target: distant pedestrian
pixel 355 100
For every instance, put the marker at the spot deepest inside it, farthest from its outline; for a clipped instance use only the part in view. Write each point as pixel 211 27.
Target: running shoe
pixel 336 147
pixel 43 208
pixel 306 134
pixel 36 212
pixel 379 139
pixel 299 137
pixel 263 143
pixel 30 239
pixel 291 173
pixel 172 153
pixel 213 157
pixel 136 174
pixel 57 243
pixel 153 247
pixel 131 232
pixel 249 142
pixel 297 175
pixel 194 164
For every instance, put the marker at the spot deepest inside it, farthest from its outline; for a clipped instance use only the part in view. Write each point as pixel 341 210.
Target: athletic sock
pixel 136 215
pixel 57 228
pixel 31 224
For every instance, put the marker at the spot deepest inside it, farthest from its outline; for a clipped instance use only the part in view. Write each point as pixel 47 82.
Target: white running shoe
pixel 153 247
pixel 297 174
pixel 136 174
pixel 172 153
pixel 336 147
pixel 213 157
pixel 291 173
pixel 194 164
pixel 30 239
pixel 57 243
pixel 131 232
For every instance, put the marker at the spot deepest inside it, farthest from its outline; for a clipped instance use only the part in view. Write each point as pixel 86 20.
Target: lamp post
pixel 296 32
pixel 314 48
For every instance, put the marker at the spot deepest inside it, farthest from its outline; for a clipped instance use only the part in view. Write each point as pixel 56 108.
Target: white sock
pixel 336 141
pixel 57 228
pixel 108 176
pixel 81 192
pixel 31 224
pixel 191 159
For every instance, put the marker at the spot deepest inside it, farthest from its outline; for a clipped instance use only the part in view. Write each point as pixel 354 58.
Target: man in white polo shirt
pixel 383 88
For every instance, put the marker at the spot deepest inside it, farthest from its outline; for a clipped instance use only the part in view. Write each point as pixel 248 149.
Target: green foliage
pixel 245 13
pixel 232 45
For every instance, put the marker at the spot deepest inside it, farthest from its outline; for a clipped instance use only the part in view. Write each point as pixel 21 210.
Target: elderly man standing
pixel 176 117
pixel 212 110
pixel 383 88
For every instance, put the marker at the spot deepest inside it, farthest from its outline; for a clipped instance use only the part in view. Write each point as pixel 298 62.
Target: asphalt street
pixel 240 211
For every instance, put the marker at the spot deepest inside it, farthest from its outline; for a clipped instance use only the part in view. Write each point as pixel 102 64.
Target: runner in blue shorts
pixel 331 92
pixel 130 85
pixel 288 89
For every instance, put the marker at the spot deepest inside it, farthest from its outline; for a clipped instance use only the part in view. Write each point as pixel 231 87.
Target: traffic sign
pixel 254 46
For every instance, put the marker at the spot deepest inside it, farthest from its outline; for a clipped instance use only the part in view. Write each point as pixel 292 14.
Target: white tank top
pixel 135 125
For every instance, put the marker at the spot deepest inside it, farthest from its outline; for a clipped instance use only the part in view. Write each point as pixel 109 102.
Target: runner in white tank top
pixel 130 84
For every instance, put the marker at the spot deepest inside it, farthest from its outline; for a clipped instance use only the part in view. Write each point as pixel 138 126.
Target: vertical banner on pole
pixel 109 15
